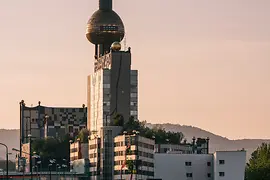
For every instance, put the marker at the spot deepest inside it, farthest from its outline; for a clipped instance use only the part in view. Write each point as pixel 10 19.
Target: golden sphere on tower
pixel 116 46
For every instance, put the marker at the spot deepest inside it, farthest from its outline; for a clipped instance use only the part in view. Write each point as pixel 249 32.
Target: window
pixel 221 161
pixel 70 129
pixel 221 174
pixel 133 113
pixel 209 175
pixel 189 174
pixel 188 163
pixel 106 86
pixel 208 163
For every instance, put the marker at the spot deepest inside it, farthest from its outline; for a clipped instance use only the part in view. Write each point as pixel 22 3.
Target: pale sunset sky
pixel 204 63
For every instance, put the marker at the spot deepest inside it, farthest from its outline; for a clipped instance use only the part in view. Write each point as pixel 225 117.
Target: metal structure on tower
pixel 104 27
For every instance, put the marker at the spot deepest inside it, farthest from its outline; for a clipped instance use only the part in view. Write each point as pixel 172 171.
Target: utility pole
pixel 6 158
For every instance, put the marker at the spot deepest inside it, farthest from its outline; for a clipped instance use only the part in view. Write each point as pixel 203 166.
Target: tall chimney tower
pixel 104 27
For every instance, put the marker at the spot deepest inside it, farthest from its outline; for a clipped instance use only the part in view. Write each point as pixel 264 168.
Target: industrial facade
pixel 41 121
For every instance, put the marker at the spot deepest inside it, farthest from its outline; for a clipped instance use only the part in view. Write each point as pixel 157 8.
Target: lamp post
pixel 64 169
pixel 30 154
pixel 39 168
pixel 137 161
pixel 6 158
pixel 58 170
pixel 53 161
pixel 50 169
pixel 64 165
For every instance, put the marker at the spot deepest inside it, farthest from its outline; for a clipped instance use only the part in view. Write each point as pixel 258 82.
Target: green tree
pixel 118 120
pixel 158 132
pixel 83 135
pixel 52 148
pixel 258 167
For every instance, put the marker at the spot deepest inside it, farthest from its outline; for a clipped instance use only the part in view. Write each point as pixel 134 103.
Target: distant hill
pixel 217 143
pixel 11 138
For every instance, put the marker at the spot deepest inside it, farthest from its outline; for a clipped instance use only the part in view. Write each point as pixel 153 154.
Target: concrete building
pixel 78 150
pixel 197 146
pixel 41 121
pixel 101 152
pixel 137 150
pixel 222 165
pixel 108 157
pixel 94 156
pixel 229 165
pixel 112 90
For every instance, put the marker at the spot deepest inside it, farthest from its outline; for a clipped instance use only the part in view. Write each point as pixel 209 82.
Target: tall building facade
pixel 113 87
pixel 41 121
pixel 102 104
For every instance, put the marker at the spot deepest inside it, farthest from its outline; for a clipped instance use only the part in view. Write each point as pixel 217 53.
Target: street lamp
pixel 6 157
pixel 53 161
pixel 39 163
pixel 30 153
pixel 50 169
pixel 46 125
pixel 58 170
pixel 136 143
pixel 64 167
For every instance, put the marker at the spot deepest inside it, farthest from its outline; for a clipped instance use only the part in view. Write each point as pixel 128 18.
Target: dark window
pixel 188 163
pixel 70 129
pixel 189 174
pixel 221 161
pixel 222 174
pixel 209 175
pixel 208 163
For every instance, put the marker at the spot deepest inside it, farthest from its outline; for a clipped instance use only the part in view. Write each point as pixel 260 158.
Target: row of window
pixel 190 163
pixel 73 158
pixel 221 174
pixel 140 153
pixel 93 146
pixel 147 146
pixel 142 163
pixel 221 162
pixel 141 172
pixel 132 95
pixel 93 155
pixel 132 141
pixel 190 175
pixel 73 150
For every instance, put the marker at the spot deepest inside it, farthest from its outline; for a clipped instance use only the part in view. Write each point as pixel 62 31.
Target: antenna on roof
pixel 125 42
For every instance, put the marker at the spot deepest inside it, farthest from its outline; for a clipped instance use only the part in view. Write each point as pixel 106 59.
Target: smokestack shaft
pixel 105 4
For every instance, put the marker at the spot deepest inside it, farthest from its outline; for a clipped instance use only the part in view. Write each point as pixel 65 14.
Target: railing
pixel 40 173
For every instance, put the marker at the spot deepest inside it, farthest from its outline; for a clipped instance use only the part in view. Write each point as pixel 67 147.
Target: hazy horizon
pixel 201 63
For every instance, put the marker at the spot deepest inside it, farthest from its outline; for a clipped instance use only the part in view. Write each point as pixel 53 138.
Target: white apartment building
pixel 78 151
pixel 94 156
pixel 222 165
pixel 229 165
pixel 141 154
